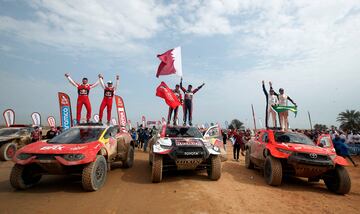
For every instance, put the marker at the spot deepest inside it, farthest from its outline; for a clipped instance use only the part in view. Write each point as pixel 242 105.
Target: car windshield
pixel 183 132
pixel 78 136
pixel 291 137
pixel 7 131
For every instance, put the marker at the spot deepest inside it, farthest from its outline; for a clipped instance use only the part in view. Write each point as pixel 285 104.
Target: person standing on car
pixel 175 110
pixel 188 101
pixel 83 96
pixel 107 101
pixel 283 101
pixel 271 100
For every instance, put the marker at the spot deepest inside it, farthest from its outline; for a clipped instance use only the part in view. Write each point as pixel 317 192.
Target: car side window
pixel 265 138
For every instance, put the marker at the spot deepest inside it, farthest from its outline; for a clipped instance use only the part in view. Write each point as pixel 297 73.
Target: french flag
pixel 170 62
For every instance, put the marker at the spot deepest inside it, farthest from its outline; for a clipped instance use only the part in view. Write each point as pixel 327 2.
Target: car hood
pixel 306 148
pixel 42 147
pixel 187 141
pixel 9 137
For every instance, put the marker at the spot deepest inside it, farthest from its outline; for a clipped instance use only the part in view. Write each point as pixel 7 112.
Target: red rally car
pixel 87 150
pixel 291 153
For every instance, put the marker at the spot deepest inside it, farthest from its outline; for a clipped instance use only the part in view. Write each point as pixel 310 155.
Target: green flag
pixel 279 109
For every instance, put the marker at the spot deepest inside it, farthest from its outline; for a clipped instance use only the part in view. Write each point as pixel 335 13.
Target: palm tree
pixel 349 120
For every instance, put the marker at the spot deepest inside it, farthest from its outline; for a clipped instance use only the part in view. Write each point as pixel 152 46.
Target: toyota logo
pixel 313 155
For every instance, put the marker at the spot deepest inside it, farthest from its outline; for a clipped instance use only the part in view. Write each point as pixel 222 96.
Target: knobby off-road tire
pixel 248 163
pixel 338 181
pixel 22 177
pixel 94 174
pixel 157 168
pixel 128 163
pixel 214 171
pixel 273 171
pixel 7 151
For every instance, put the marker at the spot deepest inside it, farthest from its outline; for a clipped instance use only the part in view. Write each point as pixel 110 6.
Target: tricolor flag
pixel 280 108
pixel 170 62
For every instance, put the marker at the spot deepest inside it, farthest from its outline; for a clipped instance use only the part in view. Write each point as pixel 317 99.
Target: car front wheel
pixel 94 174
pixel 214 170
pixel 157 168
pixel 7 151
pixel 338 180
pixel 23 177
pixel 273 171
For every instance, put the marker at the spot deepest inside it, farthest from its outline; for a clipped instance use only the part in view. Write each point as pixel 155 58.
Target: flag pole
pixel 253 113
pixel 311 127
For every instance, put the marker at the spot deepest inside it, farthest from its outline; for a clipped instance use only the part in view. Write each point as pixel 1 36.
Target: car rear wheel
pixel 23 177
pixel 128 163
pixel 214 171
pixel 94 174
pixel 273 171
pixel 7 151
pixel 248 163
pixel 338 180
pixel 157 168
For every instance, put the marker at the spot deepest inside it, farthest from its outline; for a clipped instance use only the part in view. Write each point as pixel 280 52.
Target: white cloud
pixel 104 25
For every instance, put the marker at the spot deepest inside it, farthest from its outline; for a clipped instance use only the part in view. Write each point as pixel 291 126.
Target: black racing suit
pixel 188 104
pixel 178 95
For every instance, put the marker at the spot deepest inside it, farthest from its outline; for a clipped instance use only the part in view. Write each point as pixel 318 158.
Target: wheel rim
pixel 99 172
pixel 10 152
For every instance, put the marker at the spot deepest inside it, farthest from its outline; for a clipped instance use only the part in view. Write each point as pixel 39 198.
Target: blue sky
pixel 310 48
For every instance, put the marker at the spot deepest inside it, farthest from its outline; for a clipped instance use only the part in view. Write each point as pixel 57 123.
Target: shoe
pixel 108 123
pixel 184 124
pixel 190 124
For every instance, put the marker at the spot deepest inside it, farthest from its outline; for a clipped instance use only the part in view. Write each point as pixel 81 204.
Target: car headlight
pixel 24 156
pixel 216 149
pixel 284 151
pixel 73 157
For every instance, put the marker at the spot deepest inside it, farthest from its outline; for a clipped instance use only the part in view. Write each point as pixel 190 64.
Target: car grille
pixel 45 157
pixel 190 152
pixel 308 156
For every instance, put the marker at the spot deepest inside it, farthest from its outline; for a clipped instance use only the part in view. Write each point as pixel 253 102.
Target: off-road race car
pixel 12 138
pixel 281 153
pixel 183 148
pixel 87 150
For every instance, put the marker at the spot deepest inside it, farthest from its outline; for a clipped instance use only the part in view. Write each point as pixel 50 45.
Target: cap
pixel 109 82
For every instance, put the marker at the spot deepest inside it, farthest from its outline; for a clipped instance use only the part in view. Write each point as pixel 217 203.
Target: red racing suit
pixel 107 100
pixel 83 98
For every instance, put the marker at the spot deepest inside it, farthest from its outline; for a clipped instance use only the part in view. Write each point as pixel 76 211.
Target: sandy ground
pixel 130 191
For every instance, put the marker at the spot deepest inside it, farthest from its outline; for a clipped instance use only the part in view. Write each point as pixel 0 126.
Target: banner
pixel 120 107
pixel 168 95
pixel 280 109
pixel 36 118
pixel 51 121
pixel 65 111
pixel 143 120
pixel 96 118
pixel 9 117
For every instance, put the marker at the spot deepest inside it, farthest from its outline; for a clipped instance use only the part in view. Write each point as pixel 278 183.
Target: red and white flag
pixel 170 62
pixel 168 95
pixel 120 106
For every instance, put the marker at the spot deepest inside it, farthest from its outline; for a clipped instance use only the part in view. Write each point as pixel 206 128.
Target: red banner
pixel 65 111
pixel 120 108
pixel 143 119
pixel 168 95
pixel 51 121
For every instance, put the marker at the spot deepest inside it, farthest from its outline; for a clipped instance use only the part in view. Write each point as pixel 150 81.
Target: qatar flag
pixel 170 62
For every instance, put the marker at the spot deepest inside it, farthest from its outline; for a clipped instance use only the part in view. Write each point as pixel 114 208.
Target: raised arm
pixel 198 88
pixel 72 82
pixel 95 84
pixel 101 80
pixel 117 82
pixel 182 88
pixel 264 89
pixel 271 87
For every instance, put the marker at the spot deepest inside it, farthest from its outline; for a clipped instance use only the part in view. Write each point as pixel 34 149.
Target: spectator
pixel 238 145
pixel 51 133
pixel 36 134
pixel 342 149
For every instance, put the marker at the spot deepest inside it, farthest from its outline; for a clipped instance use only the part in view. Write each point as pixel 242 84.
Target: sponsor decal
pixel 65 111
pixel 55 147
pixel 188 142
pixel 96 118
pixel 36 118
pixel 313 155
pixel 78 148
pixel 51 121
pixel 9 117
